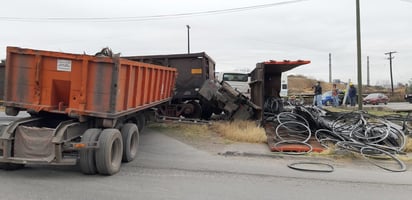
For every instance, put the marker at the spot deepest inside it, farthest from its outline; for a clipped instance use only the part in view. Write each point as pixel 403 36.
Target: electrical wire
pixel 295 166
pixel 357 132
pixel 400 163
pixel 146 18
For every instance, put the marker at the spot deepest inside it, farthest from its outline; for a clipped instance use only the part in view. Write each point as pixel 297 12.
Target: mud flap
pixel 34 142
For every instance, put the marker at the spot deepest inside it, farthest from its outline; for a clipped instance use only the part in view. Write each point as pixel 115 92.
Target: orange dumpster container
pixel 83 85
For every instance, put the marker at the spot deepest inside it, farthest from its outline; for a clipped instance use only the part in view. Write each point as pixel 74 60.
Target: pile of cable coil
pixel 380 140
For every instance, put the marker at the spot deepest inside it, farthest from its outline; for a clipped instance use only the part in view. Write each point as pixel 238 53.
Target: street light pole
pixel 188 39
pixel 390 66
pixel 359 55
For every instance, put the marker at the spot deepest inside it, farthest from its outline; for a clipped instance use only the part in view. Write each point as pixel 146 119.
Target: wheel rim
pixel 134 141
pixel 116 151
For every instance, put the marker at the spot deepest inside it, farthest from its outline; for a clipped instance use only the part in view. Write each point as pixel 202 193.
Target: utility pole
pixel 359 55
pixel 188 39
pixel 367 72
pixel 390 66
pixel 330 68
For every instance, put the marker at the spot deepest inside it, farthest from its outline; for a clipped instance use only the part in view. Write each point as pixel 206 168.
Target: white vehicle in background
pixel 284 86
pixel 238 80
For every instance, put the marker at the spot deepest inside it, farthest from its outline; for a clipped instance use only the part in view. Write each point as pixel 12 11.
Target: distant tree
pixel 409 87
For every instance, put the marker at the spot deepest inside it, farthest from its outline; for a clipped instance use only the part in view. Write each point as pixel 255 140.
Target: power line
pixel 145 18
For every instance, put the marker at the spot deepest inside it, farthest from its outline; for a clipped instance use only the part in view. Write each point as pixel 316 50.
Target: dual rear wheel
pixel 113 147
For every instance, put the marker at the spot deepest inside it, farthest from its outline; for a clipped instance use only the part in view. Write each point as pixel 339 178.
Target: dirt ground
pixel 198 136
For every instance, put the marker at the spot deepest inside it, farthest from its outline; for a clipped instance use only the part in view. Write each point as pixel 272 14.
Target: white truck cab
pixel 238 80
pixel 284 86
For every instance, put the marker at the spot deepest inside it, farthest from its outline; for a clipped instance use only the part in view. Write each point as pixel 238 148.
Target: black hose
pixel 295 166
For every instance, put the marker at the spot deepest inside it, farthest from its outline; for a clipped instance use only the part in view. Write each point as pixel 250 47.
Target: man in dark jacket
pixel 352 94
pixel 318 95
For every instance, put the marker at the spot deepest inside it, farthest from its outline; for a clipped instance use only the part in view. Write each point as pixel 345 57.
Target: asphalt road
pixel 169 169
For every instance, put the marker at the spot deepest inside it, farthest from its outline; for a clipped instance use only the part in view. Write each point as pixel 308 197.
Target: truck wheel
pixel 11 166
pixel 141 122
pixel 109 153
pixel 87 156
pixel 12 111
pixel 206 114
pixel 130 136
pixel 196 113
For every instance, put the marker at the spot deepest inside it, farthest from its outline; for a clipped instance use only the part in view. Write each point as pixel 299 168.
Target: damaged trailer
pixel 86 108
pixel 265 88
pixel 2 71
pixel 265 84
pixel 223 98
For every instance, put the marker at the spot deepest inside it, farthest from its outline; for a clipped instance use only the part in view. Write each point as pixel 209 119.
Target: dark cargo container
pixel 193 70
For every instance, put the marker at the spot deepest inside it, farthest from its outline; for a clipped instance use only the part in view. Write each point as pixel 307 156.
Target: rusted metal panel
pixel 83 85
pixel 266 80
pixel 2 70
pixel 193 70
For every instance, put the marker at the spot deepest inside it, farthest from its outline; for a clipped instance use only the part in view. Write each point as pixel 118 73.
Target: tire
pixel 130 138
pixel 207 112
pixel 87 156
pixel 141 122
pixel 12 111
pixel 197 110
pixel 11 166
pixel 110 151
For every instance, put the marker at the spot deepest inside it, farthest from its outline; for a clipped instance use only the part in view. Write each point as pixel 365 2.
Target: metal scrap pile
pixel 304 128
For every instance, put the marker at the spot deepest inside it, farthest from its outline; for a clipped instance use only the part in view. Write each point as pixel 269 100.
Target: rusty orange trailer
pixel 83 85
pixel 93 105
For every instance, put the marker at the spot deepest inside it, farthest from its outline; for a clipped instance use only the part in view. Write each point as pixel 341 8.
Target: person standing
pixel 335 98
pixel 352 94
pixel 318 95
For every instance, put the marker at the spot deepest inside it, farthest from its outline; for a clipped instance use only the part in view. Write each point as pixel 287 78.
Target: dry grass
pixel 237 131
pixel 240 131
pixel 329 151
pixel 408 146
pixel 187 130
